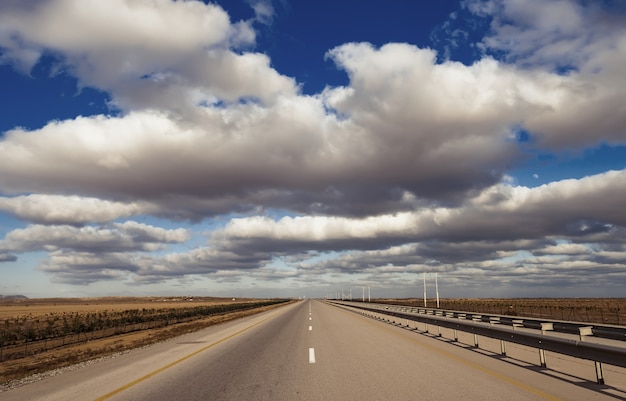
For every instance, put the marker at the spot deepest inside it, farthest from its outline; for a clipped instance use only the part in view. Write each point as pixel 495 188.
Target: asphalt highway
pixel 311 350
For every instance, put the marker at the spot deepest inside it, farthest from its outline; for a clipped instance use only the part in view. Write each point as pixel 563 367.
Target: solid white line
pixel 311 355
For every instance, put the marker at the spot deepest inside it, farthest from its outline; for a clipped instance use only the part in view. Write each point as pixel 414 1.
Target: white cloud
pixel 60 209
pixel 214 131
pixel 566 208
pixel 152 28
pixel 511 234
pixel 402 170
pixel 145 53
pixel 565 249
pixel 119 237
pixel 561 33
pixel 585 39
pixel 82 268
pixel 405 122
pixel 263 10
pixel 318 228
pixel 500 221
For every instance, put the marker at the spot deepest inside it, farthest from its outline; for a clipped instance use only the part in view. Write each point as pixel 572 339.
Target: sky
pixel 282 148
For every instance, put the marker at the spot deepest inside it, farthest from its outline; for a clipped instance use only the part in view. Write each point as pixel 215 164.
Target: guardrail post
pixel 476 318
pixel 588 331
pixel 425 312
pixel 460 316
pixel 439 313
pixel 496 320
pixel 542 353
pixel 517 323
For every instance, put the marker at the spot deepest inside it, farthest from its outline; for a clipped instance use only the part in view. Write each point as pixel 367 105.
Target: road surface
pixel 311 350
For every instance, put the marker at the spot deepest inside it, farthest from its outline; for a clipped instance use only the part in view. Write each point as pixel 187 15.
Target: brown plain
pixel 36 310
pixel 38 307
pixel 610 311
pixel 592 310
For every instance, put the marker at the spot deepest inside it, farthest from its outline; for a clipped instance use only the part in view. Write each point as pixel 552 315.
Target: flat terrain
pixel 590 310
pixel 315 351
pixel 38 307
pixel 64 350
pixel 37 335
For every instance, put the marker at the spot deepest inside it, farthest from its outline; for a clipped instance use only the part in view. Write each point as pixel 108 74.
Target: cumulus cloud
pixel 60 209
pixel 83 265
pixel 80 268
pixel 577 209
pixel 118 237
pixel 405 129
pixel 495 225
pixel 82 255
pixel 146 54
pixel 139 26
pixel 465 273
pixel 400 171
pixel 516 234
pixel 382 145
pixel 500 230
pixel 558 34
pixel 585 41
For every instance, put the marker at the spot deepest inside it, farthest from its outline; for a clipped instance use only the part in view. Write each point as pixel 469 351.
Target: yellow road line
pixel 149 375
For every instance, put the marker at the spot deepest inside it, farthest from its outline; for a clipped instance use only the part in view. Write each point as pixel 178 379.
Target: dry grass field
pixel 37 335
pixel 37 307
pixel 610 311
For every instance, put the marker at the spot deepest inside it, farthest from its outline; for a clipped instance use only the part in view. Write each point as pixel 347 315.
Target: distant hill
pixel 13 297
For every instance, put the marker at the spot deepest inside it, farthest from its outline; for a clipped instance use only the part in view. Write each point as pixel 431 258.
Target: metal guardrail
pixel 610 332
pixel 475 323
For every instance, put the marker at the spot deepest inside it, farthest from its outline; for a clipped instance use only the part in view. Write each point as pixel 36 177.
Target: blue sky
pixel 258 148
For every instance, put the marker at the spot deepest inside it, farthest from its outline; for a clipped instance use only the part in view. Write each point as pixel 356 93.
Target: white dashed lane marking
pixel 311 350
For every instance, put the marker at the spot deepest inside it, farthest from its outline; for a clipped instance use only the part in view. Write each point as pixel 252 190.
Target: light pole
pixel 424 290
pixel 437 290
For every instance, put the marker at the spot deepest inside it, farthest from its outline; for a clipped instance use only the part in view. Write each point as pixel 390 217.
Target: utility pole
pixel 437 290
pixel 424 290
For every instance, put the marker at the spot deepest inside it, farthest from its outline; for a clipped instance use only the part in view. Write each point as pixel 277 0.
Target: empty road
pixel 311 350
